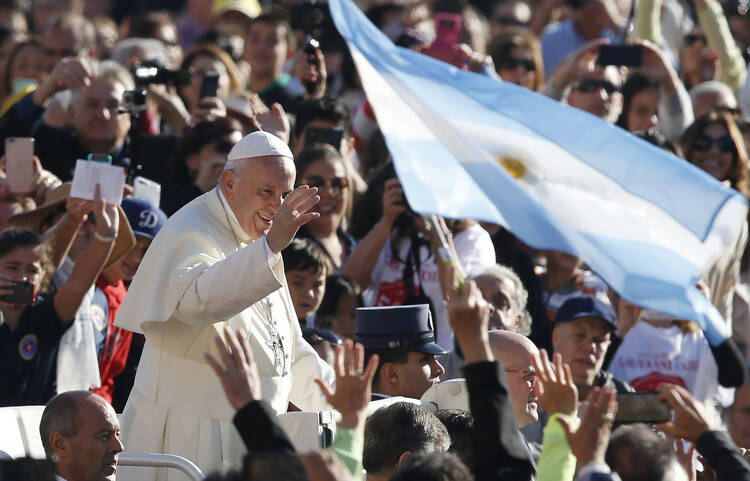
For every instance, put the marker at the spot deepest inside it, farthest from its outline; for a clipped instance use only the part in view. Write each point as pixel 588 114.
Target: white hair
pixel 714 87
pixel 152 50
pixel 519 297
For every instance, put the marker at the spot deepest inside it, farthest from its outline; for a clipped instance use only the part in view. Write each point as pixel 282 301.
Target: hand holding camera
pixel 18 293
pixel 311 69
pixel 393 201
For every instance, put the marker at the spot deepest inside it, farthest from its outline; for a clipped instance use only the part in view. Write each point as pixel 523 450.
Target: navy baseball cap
pixel 585 306
pixel 145 219
pixel 394 327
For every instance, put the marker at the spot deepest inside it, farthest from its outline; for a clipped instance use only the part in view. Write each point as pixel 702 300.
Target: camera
pixel 155 72
pixel 134 101
pixel 22 292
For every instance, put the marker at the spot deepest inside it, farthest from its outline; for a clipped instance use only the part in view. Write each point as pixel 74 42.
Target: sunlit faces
pixel 642 115
pixel 598 94
pixel 266 49
pixel 498 291
pixel 518 67
pixel 307 289
pixel 416 376
pixel 202 64
pixel 328 174
pixel 126 266
pixel 713 151
pixel 96 117
pixel 27 64
pixel 344 322
pixel 582 344
pixel 19 264
pixel 256 191
pixel 92 452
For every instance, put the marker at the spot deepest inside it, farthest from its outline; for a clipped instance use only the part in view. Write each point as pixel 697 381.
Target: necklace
pixel 265 310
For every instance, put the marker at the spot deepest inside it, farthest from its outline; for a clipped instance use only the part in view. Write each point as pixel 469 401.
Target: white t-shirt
pixel 650 355
pixel 475 251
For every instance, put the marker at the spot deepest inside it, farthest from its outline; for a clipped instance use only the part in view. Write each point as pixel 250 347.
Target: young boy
pixel 306 268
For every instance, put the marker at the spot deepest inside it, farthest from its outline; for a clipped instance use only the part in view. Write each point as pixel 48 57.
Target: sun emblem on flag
pixel 515 166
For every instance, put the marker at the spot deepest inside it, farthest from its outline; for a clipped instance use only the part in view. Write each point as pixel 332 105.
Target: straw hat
pixel 55 204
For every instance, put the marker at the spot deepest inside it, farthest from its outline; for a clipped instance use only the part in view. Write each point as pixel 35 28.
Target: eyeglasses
pixel 528 375
pixel 691 38
pixel 337 184
pixel 510 63
pixel 509 21
pixel 592 85
pixel 703 143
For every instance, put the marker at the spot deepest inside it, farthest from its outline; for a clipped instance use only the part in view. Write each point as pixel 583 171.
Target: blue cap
pixel 585 306
pixel 394 327
pixel 145 219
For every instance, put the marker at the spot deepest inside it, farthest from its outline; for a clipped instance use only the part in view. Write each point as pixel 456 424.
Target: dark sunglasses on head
pixel 691 38
pixel 703 143
pixel 509 21
pixel 338 184
pixel 510 63
pixel 592 85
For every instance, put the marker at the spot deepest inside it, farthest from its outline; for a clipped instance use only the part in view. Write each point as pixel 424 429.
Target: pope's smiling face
pixel 255 189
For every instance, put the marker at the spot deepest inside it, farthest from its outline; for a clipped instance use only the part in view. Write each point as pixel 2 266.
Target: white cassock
pixel 201 273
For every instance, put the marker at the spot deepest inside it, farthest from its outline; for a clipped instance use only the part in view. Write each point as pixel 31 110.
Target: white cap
pixel 259 144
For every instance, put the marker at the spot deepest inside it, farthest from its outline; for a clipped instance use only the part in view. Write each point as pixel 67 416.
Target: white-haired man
pixel 217 263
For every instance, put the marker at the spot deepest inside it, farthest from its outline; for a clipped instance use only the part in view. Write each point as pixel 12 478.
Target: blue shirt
pixel 560 40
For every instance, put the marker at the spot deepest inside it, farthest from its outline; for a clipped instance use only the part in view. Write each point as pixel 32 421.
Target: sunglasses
pixel 337 184
pixel 510 63
pixel 528 375
pixel 509 21
pixel 590 85
pixel 690 39
pixel 703 143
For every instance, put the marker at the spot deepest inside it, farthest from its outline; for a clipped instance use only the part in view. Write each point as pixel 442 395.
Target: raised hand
pixel 469 317
pixel 555 388
pixel 237 372
pixel 69 73
pixel 292 214
pixel 690 419
pixel 394 203
pixel 353 384
pixel 273 120
pixel 106 216
pixel 589 442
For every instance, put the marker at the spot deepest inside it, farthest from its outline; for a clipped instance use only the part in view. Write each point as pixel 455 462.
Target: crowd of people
pixel 278 266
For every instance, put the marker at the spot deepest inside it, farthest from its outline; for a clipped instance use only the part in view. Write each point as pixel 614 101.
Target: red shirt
pixel 117 345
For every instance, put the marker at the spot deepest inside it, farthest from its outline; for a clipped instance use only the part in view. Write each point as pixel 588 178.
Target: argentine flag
pixel 468 146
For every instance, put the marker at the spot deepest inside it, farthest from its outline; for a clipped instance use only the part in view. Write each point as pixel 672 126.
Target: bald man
pixel 516 352
pixel 80 432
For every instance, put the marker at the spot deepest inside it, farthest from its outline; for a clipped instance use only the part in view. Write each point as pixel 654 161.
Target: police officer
pixel 404 338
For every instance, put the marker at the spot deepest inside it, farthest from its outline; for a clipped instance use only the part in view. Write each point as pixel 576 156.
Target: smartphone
pixel 322 135
pixel 642 407
pixel 447 30
pixel 626 55
pixel 209 84
pixel 23 292
pixel 19 166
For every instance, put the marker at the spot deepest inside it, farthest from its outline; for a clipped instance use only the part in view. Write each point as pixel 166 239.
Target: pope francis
pixel 215 262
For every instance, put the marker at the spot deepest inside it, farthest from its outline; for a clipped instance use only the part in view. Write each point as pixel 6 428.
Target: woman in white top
pixel 396 263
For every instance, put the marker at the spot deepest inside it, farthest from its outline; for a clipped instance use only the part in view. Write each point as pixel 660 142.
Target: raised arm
pixel 68 299
pixel 60 236
pixel 361 262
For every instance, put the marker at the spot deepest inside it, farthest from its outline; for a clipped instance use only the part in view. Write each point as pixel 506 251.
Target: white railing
pixel 161 461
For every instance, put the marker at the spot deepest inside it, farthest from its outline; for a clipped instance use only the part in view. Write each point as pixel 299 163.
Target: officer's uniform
pixel 395 327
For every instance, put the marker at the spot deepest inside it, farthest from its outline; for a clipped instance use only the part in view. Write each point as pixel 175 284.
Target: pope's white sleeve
pixel 306 367
pixel 231 285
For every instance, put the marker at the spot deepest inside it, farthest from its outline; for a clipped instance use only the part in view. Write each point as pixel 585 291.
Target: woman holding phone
pixel 34 319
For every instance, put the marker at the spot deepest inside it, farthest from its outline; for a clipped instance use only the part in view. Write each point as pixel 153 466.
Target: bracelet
pixel 101 238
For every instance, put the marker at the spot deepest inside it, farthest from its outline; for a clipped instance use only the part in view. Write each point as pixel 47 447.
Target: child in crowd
pixel 336 312
pixel 33 324
pixel 306 268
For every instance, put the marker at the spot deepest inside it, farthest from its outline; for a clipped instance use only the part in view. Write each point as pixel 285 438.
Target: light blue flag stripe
pixel 447 168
